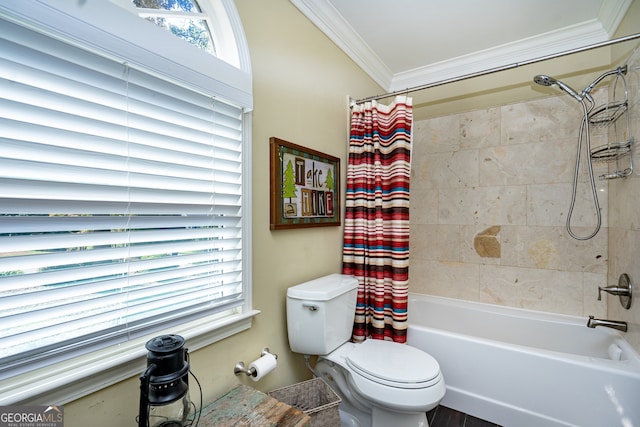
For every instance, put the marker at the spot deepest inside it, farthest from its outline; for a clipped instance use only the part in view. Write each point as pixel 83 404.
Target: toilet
pixel 381 383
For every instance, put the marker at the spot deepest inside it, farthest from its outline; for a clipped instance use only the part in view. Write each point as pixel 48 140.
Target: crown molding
pixel 324 16
pixel 501 56
pixel 611 13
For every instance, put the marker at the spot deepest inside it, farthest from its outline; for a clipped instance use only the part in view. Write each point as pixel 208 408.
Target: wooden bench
pixel 246 406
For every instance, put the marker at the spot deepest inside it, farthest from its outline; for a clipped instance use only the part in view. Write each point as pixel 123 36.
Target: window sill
pixel 73 379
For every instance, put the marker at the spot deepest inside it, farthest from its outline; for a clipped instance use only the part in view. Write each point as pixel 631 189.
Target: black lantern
pixel 164 385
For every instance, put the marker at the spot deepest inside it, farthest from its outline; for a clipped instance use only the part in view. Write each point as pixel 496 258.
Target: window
pixel 124 194
pixel 183 18
pixel 205 24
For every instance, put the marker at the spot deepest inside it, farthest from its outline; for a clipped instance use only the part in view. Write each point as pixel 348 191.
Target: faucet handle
pixel 623 290
pixel 612 290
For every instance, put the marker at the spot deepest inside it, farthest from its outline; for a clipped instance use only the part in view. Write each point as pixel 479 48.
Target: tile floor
pixel 447 417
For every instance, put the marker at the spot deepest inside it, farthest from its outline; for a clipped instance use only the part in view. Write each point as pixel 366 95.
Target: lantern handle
pixel 143 413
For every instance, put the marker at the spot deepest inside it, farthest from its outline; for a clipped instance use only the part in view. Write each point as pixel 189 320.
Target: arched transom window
pixel 184 18
pixel 203 23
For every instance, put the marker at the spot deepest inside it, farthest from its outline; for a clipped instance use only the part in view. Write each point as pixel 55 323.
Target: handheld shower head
pixel 543 80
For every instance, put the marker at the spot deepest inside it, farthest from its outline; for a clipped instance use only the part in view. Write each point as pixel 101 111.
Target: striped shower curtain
pixel 376 227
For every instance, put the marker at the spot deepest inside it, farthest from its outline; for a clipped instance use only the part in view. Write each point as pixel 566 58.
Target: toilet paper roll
pixel 263 366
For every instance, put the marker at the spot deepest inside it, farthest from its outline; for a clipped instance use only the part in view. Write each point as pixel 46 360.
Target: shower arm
pixel 619 71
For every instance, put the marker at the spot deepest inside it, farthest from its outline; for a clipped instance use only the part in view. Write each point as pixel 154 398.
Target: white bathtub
pixel 523 368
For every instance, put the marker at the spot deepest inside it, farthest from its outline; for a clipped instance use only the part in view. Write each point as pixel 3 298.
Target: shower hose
pixel 584 130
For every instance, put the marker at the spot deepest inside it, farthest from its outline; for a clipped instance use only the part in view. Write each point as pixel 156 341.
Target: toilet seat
pixel 413 384
pixel 395 365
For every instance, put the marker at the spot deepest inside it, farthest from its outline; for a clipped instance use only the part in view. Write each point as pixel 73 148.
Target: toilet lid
pixel 393 364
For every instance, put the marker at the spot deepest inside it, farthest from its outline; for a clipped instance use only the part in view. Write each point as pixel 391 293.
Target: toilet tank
pixel 320 313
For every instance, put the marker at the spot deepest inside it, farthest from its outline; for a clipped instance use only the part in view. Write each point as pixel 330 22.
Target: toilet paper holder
pixel 240 368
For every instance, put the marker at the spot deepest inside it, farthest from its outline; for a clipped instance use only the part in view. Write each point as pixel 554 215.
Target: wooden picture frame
pixel 304 186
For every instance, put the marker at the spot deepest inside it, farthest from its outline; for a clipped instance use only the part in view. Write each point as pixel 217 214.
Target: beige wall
pixel 629 25
pixel 301 84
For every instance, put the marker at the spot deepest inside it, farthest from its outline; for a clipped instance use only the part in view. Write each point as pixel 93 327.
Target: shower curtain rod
pixel 497 69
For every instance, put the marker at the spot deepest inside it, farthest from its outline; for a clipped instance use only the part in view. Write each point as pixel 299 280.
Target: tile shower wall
pixel 624 214
pixel 490 193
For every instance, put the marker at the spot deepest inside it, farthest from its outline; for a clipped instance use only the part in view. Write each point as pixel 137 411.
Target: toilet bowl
pixel 384 383
pixel 381 383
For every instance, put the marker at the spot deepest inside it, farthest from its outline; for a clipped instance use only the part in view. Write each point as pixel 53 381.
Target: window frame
pixel 116 33
pixel 221 27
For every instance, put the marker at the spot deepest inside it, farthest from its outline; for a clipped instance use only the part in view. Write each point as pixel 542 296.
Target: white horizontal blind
pixel 120 202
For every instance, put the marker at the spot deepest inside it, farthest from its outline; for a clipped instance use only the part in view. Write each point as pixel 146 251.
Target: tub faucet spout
pixel 615 324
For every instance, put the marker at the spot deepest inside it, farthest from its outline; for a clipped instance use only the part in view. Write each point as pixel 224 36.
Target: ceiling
pixel 410 43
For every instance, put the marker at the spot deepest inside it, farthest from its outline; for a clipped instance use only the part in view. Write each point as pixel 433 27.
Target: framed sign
pixel 305 187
